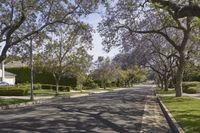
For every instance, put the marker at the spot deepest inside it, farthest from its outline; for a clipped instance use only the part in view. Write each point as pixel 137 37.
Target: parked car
pixel 2 83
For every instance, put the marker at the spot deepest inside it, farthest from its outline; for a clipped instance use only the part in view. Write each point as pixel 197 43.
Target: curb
pixel 175 127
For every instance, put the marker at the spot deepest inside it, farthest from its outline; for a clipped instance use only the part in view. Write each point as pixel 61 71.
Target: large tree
pixel 175 22
pixel 20 19
pixel 64 50
pixel 104 71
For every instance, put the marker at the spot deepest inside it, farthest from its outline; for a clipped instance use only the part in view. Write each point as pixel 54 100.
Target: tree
pixel 129 20
pixel 61 52
pixel 104 71
pixel 81 66
pixel 20 19
pixel 162 59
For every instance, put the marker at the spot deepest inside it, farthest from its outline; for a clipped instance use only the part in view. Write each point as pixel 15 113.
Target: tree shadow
pixel 119 111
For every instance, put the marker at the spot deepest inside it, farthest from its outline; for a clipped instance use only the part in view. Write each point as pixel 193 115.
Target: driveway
pixel 123 111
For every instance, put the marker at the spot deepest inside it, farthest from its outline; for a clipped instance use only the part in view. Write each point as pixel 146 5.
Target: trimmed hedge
pixel 23 76
pixel 90 86
pixel 187 85
pixel 53 87
pixel 190 90
pixel 13 91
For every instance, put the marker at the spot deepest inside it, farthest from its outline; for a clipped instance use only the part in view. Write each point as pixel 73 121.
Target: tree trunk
pixel 57 86
pixel 166 84
pixel 162 84
pixel 104 85
pixel 179 75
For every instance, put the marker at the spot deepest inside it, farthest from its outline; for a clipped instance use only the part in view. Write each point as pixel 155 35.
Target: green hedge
pixel 90 86
pixel 13 91
pixel 53 87
pixel 190 90
pixel 23 76
pixel 187 85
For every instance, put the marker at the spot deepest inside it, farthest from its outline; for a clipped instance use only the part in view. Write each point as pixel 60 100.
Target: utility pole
pixel 31 66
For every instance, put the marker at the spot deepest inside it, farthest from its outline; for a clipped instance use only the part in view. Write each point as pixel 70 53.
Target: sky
pixel 93 20
pixel 97 50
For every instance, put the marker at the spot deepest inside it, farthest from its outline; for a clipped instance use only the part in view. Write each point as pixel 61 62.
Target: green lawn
pixel 12 101
pixel 186 111
pixel 170 91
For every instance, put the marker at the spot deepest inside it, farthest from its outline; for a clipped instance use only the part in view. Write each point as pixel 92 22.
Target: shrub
pixel 23 76
pixel 65 88
pixel 13 91
pixel 37 86
pixel 186 85
pixel 190 90
pixel 90 86
pixel 46 87
pixel 53 87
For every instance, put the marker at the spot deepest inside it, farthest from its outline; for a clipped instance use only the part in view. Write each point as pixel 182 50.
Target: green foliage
pixel 186 85
pixel 53 87
pixel 192 72
pixel 37 86
pixel 90 86
pixel 190 87
pixel 162 91
pixel 23 76
pixel 4 102
pixel 13 91
pixel 186 112
pixel 130 76
pixel 190 90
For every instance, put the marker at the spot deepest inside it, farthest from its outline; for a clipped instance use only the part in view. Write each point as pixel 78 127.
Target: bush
pixel 190 90
pixel 13 91
pixel 53 87
pixel 46 87
pixel 90 86
pixel 65 88
pixel 23 76
pixel 187 85
pixel 37 86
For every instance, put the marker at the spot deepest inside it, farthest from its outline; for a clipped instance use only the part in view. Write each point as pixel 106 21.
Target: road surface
pixel 134 110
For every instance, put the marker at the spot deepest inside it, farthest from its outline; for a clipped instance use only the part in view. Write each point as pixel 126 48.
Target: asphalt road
pixel 112 112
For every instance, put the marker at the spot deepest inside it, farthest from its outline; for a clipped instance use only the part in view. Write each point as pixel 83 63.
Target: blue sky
pixel 93 20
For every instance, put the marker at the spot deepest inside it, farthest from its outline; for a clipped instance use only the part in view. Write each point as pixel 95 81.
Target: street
pixel 112 112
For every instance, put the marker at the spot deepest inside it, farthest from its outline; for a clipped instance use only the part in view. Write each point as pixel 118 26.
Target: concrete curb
pixel 175 127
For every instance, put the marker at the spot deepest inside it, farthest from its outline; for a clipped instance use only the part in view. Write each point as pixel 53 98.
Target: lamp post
pixel 31 67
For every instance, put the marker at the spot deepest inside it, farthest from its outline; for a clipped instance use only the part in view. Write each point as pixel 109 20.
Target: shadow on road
pixel 112 112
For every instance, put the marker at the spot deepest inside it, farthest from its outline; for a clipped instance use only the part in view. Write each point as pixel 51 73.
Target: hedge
pixel 53 87
pixel 13 91
pixel 186 85
pixel 190 90
pixel 23 76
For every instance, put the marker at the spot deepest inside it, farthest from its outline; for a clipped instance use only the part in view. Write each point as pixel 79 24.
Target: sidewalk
pixel 153 119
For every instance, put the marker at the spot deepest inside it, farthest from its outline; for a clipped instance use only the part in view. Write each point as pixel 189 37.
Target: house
pixel 6 76
pixel 16 64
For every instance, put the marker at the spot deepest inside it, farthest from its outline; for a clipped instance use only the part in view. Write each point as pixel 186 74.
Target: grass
pixel 170 91
pixel 4 102
pixel 186 110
